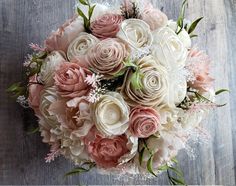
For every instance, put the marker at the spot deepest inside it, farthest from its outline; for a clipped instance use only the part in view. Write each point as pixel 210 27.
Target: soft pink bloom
pixel 74 115
pixel 198 63
pixel 106 152
pixel 106 26
pixel 144 121
pixel 70 80
pixel 154 18
pixel 60 39
pixel 107 57
pixel 34 92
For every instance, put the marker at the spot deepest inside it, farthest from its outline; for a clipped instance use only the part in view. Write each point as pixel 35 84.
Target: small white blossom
pixel 22 101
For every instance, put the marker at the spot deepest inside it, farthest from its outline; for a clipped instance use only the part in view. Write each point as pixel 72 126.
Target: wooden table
pixel 22 156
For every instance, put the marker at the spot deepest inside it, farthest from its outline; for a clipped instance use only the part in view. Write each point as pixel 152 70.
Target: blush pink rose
pixel 106 26
pixel 106 152
pixel 70 80
pixel 60 39
pixel 198 63
pixel 107 56
pixel 144 121
pixel 154 18
pixel 34 92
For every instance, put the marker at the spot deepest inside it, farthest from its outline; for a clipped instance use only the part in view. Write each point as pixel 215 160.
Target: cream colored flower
pixel 135 32
pixel 73 147
pixel 183 35
pixel 111 114
pixel 48 97
pixel 168 49
pixel 81 45
pixel 177 88
pixel 154 84
pixel 49 66
pixel 164 148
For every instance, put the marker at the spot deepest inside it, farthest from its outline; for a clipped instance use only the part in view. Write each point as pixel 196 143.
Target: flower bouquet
pixel 119 89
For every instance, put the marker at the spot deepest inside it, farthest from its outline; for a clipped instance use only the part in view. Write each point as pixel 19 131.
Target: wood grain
pixel 22 156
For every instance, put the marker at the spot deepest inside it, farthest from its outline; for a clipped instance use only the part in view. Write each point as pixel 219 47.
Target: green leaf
pixel 136 80
pixel 163 167
pixel 178 173
pixel 81 13
pixel 174 160
pixel 83 2
pixel 76 171
pixel 193 35
pixel 141 155
pixel 221 105
pixel 221 91
pixel 91 11
pixel 120 73
pixel 180 21
pixel 150 166
pixel 33 131
pixel 194 25
pixel 14 87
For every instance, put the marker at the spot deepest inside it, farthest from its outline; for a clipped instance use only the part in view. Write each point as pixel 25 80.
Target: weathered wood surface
pixel 22 156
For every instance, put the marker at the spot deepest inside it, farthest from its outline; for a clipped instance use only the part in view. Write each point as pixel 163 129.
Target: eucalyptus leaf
pixel 83 2
pixel 180 21
pixel 76 171
pixel 193 35
pixel 221 91
pixel 150 166
pixel 194 25
pixel 33 131
pixel 91 11
pixel 81 13
pixel 141 155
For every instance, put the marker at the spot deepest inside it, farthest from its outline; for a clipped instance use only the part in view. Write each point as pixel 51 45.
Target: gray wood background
pixel 22 156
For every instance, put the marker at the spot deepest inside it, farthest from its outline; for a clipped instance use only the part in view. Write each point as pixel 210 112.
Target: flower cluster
pixel 111 90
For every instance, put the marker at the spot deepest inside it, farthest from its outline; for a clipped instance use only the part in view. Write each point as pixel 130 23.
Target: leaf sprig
pixel 87 20
pixel 85 167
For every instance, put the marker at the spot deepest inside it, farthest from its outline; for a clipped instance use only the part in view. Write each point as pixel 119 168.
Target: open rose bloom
pixel 122 93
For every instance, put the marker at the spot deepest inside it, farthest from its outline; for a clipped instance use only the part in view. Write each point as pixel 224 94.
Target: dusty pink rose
pixel 198 63
pixel 60 39
pixel 34 92
pixel 70 80
pixel 106 152
pixel 107 56
pixel 144 121
pixel 154 18
pixel 106 26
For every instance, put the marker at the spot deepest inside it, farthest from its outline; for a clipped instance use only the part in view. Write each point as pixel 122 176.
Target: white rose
pixel 183 35
pixel 154 84
pixel 73 147
pixel 165 147
pixel 48 97
pixel 81 45
pixel 168 49
pixel 135 32
pixel 111 114
pixel 177 88
pixel 49 66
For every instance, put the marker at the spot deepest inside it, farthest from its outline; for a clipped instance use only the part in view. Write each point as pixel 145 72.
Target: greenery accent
pixel 194 25
pixel 180 21
pixel 33 131
pixel 221 91
pixel 34 67
pixel 87 20
pixel 85 167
